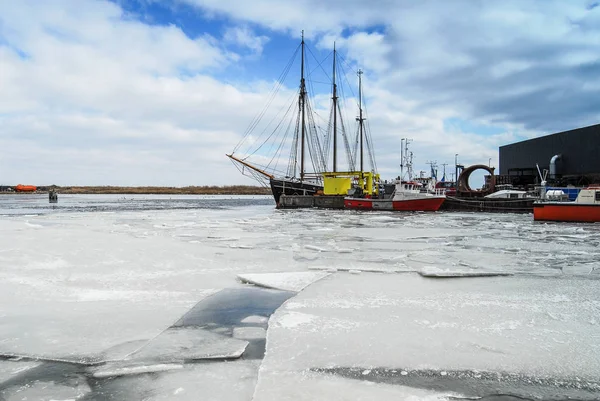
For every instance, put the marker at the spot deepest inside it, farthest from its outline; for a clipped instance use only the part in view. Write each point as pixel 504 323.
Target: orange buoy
pixel 25 188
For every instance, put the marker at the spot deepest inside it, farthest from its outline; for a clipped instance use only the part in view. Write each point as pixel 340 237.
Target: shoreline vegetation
pixel 191 190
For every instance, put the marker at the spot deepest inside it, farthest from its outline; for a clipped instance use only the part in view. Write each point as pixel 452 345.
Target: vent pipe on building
pixel 553 161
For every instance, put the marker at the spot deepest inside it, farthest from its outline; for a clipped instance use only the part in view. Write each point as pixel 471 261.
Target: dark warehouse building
pixel 571 158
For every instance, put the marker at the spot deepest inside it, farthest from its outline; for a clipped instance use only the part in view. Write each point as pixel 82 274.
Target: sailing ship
pixel 307 168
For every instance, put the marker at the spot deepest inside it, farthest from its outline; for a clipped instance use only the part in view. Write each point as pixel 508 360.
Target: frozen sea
pixel 108 297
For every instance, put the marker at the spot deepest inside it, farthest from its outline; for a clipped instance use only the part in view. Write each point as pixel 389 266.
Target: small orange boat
pixel 586 208
pixel 25 188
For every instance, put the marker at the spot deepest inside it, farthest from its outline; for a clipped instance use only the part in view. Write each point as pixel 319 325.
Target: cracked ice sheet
pixel 436 272
pixel 309 386
pixel 82 333
pixel 8 369
pixel 190 343
pixel 231 381
pixel 46 391
pixel 535 326
pixel 75 288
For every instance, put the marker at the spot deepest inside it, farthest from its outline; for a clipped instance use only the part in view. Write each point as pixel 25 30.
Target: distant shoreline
pixel 192 190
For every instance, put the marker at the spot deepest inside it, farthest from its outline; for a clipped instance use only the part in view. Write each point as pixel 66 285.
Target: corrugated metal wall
pixel 580 149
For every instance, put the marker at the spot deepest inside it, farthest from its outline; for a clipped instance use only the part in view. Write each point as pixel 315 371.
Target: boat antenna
pixel 433 169
pixel 409 163
pixel 334 114
pixel 360 119
pixel 302 105
pixel 542 177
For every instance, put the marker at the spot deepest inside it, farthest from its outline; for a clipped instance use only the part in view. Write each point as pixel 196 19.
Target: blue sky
pixel 155 92
pixel 196 22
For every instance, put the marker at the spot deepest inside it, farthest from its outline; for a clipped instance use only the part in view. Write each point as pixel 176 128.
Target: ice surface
pixel 220 381
pixel 60 288
pixel 249 333
pixel 44 381
pixel 295 281
pixel 234 380
pixel 80 332
pixel 433 271
pixel 189 343
pixel 477 384
pixel 407 322
pixel 254 319
pixel 127 368
pixel 308 386
pixel 294 319
pixel 95 277
pixel 9 369
pixel 371 269
pixel 47 391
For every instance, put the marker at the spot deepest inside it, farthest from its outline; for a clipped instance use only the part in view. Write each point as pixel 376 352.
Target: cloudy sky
pixel 155 92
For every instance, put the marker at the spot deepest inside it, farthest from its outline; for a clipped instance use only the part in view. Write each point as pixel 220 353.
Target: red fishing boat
pixel 554 207
pixel 408 196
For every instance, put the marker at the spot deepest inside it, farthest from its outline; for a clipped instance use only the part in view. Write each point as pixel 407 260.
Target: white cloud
pixel 101 99
pixel 457 52
pixel 369 50
pixel 245 37
pixel 527 66
pixel 315 16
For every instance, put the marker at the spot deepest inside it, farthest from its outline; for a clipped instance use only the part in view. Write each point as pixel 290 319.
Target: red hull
pixel 357 203
pixel 417 205
pixel 566 212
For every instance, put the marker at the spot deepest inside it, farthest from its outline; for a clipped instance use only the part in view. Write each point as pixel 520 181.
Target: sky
pixel 156 92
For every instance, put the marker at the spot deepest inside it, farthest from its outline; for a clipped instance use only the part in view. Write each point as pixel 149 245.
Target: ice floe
pixel 293 281
pixel 433 271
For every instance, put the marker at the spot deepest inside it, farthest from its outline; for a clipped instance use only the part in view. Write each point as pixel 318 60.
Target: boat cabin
pixel 409 186
pixel 586 196
pixel 449 187
pixel 589 196
pixel 508 194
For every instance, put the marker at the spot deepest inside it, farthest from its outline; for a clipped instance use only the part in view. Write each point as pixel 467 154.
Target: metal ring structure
pixel 463 180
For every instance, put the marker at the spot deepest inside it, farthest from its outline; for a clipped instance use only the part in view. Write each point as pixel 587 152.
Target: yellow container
pixel 336 185
pixel 339 183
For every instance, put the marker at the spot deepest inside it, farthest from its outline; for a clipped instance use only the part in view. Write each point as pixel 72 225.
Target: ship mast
pixel 334 114
pixel 401 159
pixel 405 158
pixel 360 119
pixel 302 105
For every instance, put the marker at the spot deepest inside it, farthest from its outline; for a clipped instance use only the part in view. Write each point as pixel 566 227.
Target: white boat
pixel 508 194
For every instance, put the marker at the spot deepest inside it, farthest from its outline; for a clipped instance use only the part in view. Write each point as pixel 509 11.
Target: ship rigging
pixel 295 127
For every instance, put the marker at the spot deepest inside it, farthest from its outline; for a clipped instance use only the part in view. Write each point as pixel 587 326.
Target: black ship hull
pixel 281 186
